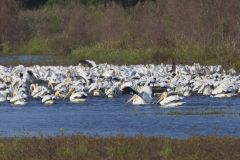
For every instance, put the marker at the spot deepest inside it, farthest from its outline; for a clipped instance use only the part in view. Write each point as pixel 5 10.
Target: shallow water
pixel 24 58
pixel 104 117
pixel 36 59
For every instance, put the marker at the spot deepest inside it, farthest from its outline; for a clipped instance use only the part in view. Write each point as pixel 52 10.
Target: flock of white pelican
pixel 166 85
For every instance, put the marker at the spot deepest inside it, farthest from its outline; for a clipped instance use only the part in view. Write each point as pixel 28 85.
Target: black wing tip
pixel 129 90
pixel 30 72
pixel 86 63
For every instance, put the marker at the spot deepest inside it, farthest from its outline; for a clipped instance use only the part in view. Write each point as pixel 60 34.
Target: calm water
pixel 37 59
pixel 25 58
pixel 104 117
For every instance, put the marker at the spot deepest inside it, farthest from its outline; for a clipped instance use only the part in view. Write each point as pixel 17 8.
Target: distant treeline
pixel 159 21
pixel 204 30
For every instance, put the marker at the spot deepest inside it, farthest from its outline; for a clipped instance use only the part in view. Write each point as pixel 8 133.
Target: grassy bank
pixel 127 52
pixel 80 147
pixel 178 53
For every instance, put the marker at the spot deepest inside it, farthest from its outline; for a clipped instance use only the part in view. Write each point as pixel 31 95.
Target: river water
pixel 37 59
pixel 108 117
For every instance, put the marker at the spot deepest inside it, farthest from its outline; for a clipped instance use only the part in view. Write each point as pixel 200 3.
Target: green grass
pixel 179 53
pixel 36 46
pixel 128 52
pixel 119 148
pixel 115 52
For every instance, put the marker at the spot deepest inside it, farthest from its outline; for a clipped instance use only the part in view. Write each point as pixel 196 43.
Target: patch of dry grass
pixel 82 147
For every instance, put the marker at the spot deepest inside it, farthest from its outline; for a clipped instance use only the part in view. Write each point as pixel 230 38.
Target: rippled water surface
pixel 101 116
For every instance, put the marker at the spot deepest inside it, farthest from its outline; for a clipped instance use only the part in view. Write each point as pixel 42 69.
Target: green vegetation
pixel 120 52
pixel 125 53
pixel 36 46
pixel 81 147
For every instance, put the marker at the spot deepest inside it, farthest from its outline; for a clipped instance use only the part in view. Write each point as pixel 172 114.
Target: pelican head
pixel 71 90
pixel 57 94
pixel 32 87
pixel 50 85
pixel 163 96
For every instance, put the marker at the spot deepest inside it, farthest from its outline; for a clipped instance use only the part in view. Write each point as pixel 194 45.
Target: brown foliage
pixel 163 22
pixel 8 20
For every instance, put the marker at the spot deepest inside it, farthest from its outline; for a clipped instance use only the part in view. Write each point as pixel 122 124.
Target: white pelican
pixel 76 97
pixel 17 99
pixel 142 80
pixel 225 89
pixel 4 92
pixel 61 90
pixel 112 91
pixel 38 91
pixel 170 101
pixel 87 63
pixel 60 95
pixel 48 99
pixel 224 95
pixel 3 98
pixel 144 96
pixel 136 100
pixel 95 89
